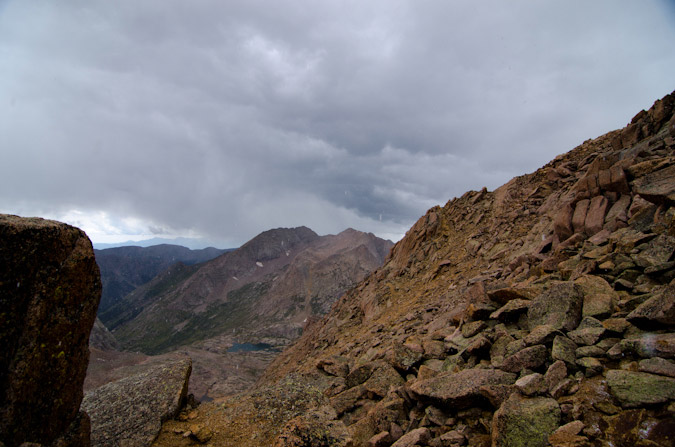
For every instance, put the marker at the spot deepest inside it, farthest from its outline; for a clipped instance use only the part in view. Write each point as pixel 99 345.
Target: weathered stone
pixel 49 293
pixel 418 436
pixel 560 306
pixel 472 328
pixel 382 439
pixel 402 357
pixel 658 186
pixel 317 427
pixel 595 216
pixel 348 399
pixel 591 365
pixel 131 410
pixel 511 310
pixel 657 365
pixel 659 251
pixel 658 310
pixel 542 334
pixel 201 433
pixel 651 345
pixel 460 390
pixel 562 222
pixel 568 436
pixel 587 336
pixel 498 349
pixel 531 384
pixel 480 346
pixel 589 351
pixel 382 380
pixel 634 389
pixel 525 422
pixel 617 216
pixel 579 216
pixel 453 438
pixel 555 374
pixel 433 349
pixel 616 325
pixel 497 394
pixel 335 366
pixel 600 299
pixel 506 294
pixel 528 358
pixel 564 349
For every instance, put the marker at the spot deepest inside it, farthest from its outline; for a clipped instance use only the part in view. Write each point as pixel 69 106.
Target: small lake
pixel 248 347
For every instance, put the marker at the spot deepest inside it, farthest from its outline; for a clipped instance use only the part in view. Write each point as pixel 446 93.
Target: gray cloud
pixel 224 119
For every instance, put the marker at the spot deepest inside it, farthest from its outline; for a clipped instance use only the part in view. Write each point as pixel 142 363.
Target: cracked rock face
pixel 49 293
pixel 131 410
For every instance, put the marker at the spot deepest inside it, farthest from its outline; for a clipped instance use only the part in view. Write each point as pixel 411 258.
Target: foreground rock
pixel 130 411
pixel 49 293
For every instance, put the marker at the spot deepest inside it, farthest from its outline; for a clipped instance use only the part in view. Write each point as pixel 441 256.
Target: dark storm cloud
pixel 226 118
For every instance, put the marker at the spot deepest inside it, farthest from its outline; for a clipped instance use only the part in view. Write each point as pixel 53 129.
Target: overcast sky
pixel 221 119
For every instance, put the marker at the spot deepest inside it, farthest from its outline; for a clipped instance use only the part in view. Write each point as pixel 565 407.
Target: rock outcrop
pixel 538 314
pixel 49 293
pixel 130 411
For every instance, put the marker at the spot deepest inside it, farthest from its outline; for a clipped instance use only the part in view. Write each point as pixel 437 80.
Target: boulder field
pixel 542 313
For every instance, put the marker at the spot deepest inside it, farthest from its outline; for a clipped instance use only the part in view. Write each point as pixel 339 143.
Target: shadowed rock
pixel 49 292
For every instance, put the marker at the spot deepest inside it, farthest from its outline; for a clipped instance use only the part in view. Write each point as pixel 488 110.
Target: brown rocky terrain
pixel 49 292
pixel 542 313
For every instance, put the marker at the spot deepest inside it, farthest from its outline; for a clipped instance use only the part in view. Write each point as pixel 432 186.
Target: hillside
pixel 263 292
pixel 123 269
pixel 542 313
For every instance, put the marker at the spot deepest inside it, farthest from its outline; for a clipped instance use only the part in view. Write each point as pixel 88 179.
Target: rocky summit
pixel 541 313
pixel 49 292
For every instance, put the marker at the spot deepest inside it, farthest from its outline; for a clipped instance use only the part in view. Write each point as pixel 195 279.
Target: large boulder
pixel 525 422
pixel 130 411
pixel 560 306
pixel 634 389
pixel 658 310
pixel 49 292
pixel 462 389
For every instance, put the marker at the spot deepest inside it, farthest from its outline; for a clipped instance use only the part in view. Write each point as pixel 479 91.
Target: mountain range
pixel 123 269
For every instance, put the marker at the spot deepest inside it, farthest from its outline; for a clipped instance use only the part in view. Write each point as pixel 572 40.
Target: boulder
pixel 131 410
pixel 600 299
pixel 564 349
pixel 658 310
pixel 657 187
pixel 525 422
pixel 560 306
pixel 511 310
pixel 49 292
pixel 418 436
pixel 460 390
pixel 634 389
pixel 595 215
pixel 528 358
pixel 659 251
pixel 314 428
pixel 579 216
pixel 657 365
pixel 651 345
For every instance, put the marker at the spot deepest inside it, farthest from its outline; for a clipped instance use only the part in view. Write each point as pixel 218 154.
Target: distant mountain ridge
pixel 264 291
pixel 189 242
pixel 123 269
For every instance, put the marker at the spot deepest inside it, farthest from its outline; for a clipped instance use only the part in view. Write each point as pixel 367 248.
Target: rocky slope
pixel 264 291
pixel 124 269
pixel 542 313
pixel 49 292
